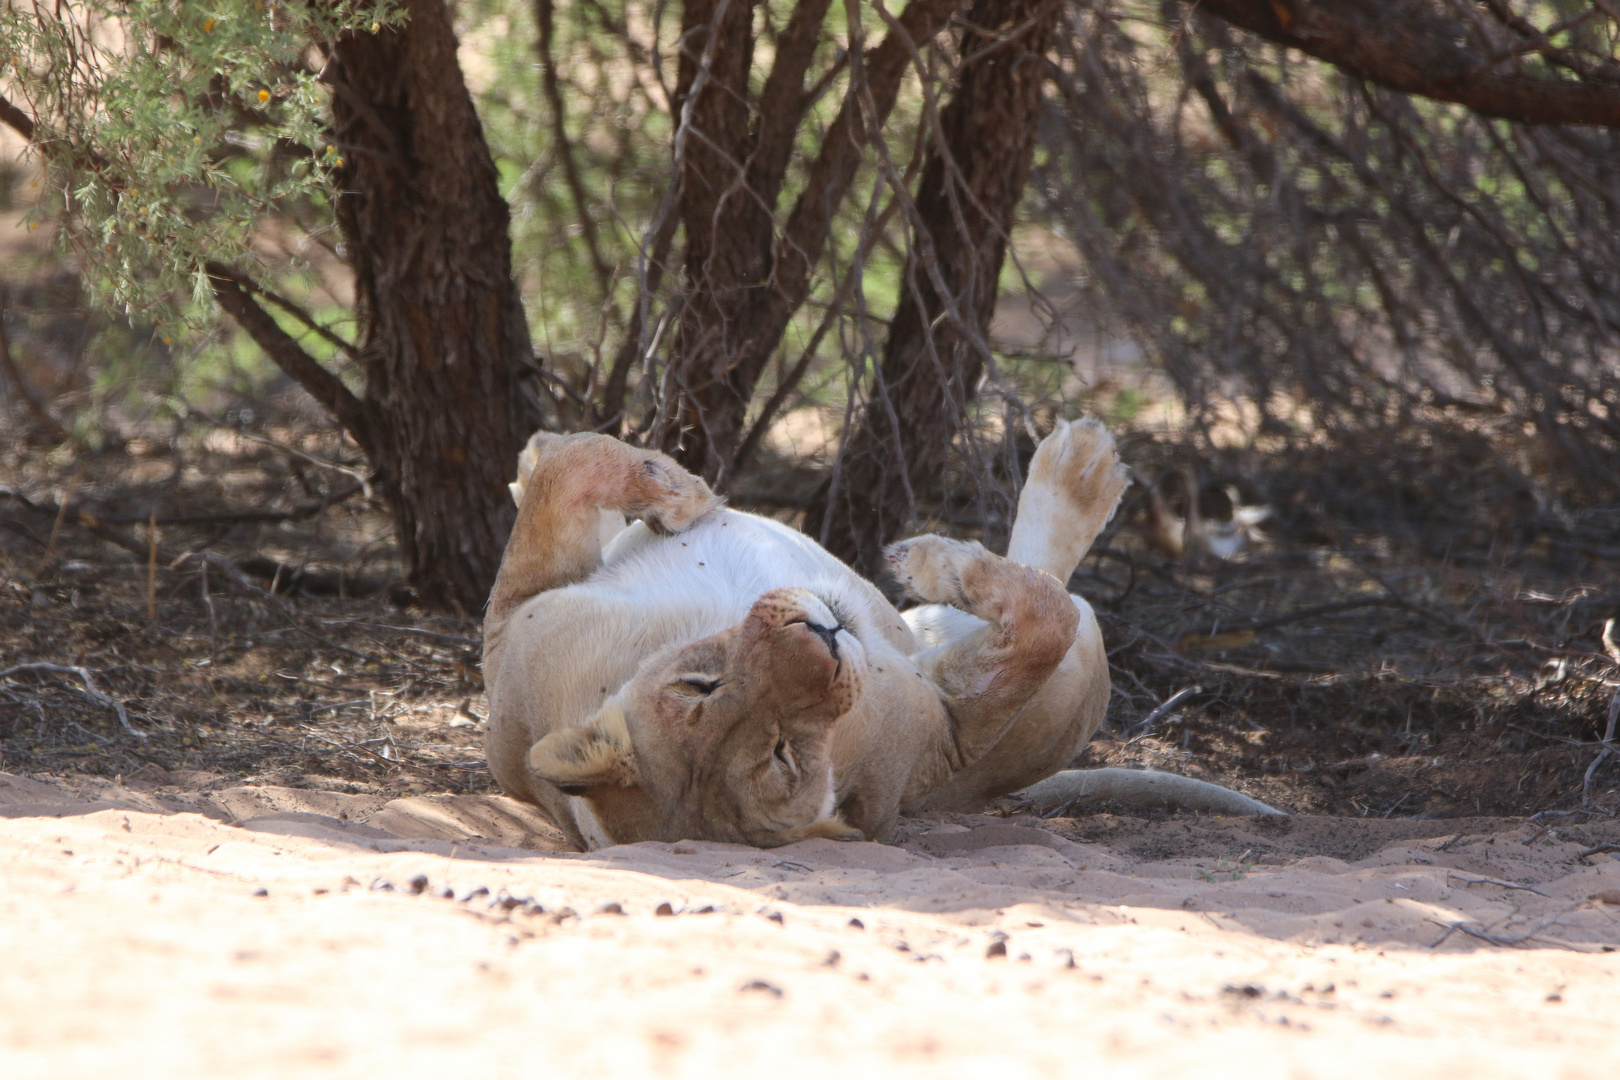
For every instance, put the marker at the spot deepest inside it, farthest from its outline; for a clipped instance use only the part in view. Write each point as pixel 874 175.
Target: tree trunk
pixel 933 357
pixel 726 251
pixel 444 341
pixel 744 281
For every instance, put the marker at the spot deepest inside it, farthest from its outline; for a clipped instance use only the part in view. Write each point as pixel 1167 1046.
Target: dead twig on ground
pixel 1496 882
pixel 431 635
pixel 90 689
pixel 1303 614
pixel 376 758
pixel 1145 728
pixel 1612 648
pixel 234 575
pixel 1462 927
pixel 1601 849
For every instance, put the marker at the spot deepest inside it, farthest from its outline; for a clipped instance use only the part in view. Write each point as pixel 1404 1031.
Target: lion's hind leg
pixel 1075 483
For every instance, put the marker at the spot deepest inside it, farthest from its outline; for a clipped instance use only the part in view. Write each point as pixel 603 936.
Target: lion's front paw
pixel 669 498
pixel 930 568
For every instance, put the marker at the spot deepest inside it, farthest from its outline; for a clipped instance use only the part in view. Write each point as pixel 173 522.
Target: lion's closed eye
pixel 698 685
pixel 784 756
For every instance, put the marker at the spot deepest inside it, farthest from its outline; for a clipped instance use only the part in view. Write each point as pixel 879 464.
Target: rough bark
pixel 931 361
pixel 744 281
pixel 721 258
pixel 445 343
pixel 1422 47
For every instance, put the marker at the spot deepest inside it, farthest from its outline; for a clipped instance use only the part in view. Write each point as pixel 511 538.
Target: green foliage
pixel 169 131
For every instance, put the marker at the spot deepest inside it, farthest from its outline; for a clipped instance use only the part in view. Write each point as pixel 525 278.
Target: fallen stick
pixel 1612 648
pixel 1494 881
pixel 90 691
pixel 1145 728
pixel 1141 787
pixel 1601 849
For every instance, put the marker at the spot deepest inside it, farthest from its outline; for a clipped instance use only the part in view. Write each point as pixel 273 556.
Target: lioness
pixel 709 674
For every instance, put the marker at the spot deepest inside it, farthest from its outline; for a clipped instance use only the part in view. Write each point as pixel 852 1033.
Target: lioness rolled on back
pixel 709 674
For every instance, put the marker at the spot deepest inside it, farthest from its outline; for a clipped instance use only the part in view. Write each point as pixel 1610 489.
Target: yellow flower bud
pixel 264 96
pixel 208 26
pixel 338 163
pixel 196 140
pixel 375 27
pixel 167 340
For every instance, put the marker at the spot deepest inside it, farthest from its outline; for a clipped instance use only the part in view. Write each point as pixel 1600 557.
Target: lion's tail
pixel 1074 486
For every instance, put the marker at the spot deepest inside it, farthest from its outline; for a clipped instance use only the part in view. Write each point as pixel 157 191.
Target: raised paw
pixel 668 497
pixel 1078 465
pixel 930 568
pixel 599 471
pixel 1075 483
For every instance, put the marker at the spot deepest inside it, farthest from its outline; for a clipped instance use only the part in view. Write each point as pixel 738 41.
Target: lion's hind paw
pixel 1079 465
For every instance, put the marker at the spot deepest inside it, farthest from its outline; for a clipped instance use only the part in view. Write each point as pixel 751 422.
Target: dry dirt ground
pixel 231 851
pixel 177 926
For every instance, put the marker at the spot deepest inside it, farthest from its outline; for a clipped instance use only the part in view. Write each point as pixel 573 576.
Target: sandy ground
pixel 198 929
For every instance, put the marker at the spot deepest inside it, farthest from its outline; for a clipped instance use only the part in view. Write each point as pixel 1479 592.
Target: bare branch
pixel 234 293
pixel 543 17
pixel 1408 45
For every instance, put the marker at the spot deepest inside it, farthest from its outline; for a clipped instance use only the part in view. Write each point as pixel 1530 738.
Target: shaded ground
pixel 1391 649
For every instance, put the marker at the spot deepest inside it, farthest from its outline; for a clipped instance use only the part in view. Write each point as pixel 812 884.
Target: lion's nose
pixel 828 635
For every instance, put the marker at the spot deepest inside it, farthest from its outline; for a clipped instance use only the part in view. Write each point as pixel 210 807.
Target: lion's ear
pixel 578 757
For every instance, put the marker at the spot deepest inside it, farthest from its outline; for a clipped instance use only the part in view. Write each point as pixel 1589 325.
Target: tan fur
pixel 642 711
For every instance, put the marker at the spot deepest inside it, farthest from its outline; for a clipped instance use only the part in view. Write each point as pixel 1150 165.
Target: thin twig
pixel 432 635
pixel 90 690
pixel 1494 881
pixel 56 525
pixel 151 567
pixel 1145 728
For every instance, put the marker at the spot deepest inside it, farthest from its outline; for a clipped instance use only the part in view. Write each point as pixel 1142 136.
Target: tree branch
pixel 544 21
pixel 234 293
pixel 16 119
pixel 782 100
pixel 1411 46
pixel 841 150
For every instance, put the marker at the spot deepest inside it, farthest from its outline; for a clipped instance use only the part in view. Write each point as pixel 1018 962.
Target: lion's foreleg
pixel 564 483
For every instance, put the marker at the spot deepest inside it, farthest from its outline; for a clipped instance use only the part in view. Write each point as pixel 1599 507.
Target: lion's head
pixel 729 736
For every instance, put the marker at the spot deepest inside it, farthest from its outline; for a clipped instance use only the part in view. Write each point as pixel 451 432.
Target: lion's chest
pixel 712 574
